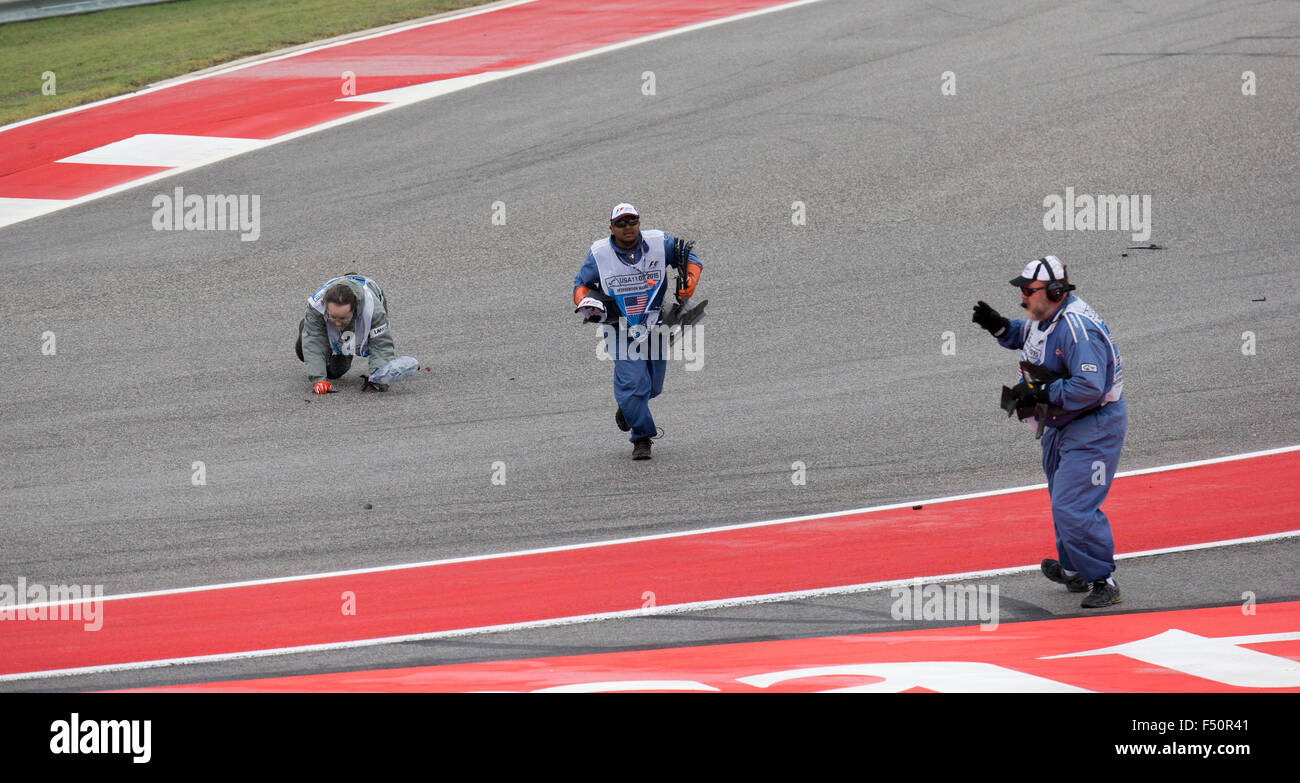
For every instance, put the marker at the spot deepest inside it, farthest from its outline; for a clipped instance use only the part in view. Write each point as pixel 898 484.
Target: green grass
pixel 107 53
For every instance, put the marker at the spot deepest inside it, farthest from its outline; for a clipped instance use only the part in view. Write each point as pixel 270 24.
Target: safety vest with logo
pixel 635 287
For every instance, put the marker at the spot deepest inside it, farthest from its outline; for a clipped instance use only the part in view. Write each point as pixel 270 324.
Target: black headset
pixel 1056 289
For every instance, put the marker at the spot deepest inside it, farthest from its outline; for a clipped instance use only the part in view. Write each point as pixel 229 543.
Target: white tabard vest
pixel 1035 346
pixel 359 344
pixel 634 286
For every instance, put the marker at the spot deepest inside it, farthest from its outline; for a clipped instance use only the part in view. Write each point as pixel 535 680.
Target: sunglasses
pixel 1029 290
pixel 624 222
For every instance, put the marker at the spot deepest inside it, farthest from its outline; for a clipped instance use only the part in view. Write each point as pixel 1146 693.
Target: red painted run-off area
pixel 270 99
pixel 1207 503
pixel 1260 648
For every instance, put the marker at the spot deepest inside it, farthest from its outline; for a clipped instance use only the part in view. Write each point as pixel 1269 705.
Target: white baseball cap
pixel 1038 269
pixel 623 209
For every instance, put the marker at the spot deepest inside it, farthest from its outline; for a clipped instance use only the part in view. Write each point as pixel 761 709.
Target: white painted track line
pixel 165 149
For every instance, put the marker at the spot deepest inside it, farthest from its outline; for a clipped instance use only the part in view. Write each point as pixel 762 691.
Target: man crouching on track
pixel 625 274
pixel 346 317
pixel 1071 381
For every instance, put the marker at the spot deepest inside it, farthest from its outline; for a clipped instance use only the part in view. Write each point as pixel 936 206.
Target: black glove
pixel 990 319
pixel 685 281
pixel 1031 392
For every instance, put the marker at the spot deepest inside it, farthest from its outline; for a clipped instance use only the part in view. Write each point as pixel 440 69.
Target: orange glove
pixel 579 294
pixel 323 387
pixel 692 277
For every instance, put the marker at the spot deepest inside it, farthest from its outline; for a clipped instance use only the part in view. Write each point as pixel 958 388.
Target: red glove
pixel 323 387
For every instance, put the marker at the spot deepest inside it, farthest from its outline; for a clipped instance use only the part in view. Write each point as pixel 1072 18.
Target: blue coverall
pixel 1080 447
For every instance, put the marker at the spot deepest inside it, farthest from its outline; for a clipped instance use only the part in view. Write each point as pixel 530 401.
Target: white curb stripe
pixel 165 149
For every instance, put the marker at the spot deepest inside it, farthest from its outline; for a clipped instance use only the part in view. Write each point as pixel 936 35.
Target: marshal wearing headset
pixel 1070 385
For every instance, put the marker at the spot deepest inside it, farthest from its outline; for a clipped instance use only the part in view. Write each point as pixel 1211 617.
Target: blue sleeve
pixel 588 275
pixel 1014 337
pixel 1088 360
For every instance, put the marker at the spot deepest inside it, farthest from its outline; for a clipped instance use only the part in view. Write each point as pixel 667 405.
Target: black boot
pixel 1103 594
pixel 1052 570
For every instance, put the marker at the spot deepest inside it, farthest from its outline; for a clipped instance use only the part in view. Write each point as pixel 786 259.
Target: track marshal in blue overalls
pixel 1072 381
pixel 623 280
